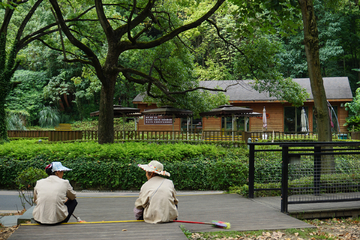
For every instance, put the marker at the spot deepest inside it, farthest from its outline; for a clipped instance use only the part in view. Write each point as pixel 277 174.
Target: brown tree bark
pixel 311 42
pixel 106 111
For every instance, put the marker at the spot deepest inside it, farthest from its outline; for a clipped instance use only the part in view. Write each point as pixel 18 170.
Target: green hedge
pixel 114 166
pixel 28 149
pixel 111 174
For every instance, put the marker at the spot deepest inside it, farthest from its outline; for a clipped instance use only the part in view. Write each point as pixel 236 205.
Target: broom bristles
pixel 220 224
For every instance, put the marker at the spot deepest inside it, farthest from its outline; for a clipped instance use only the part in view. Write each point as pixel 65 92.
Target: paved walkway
pixel 104 213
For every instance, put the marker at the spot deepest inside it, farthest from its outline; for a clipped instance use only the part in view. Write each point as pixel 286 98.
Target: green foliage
pixel 49 117
pixel 227 173
pixel 27 149
pixel 354 106
pixel 177 62
pixel 26 181
pixel 191 101
pixel 87 89
pixel 260 61
pixel 249 51
pixel 338 41
pixel 114 166
pixel 353 121
pixel 185 231
pixel 28 177
pixel 15 121
pixel 93 125
pixel 87 84
pixel 197 174
pixel 270 17
pixel 26 97
pixel 57 87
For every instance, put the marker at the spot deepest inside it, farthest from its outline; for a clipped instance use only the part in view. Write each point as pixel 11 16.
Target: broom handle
pixel 77 219
pixel 192 222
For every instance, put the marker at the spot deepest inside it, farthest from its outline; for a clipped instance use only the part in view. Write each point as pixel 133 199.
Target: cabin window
pixel 194 126
pixel 226 123
pixel 292 120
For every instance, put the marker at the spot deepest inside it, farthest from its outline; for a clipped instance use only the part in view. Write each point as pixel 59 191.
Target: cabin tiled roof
pixel 240 90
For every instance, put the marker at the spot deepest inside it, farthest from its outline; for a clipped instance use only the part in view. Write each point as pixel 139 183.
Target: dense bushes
pixel 125 152
pixel 114 166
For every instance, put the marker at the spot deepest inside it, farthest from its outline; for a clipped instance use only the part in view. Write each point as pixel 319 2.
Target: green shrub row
pixel 114 166
pixel 126 152
pixel 115 175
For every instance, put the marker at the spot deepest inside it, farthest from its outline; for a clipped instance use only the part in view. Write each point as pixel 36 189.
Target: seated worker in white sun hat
pixel 54 197
pixel 157 199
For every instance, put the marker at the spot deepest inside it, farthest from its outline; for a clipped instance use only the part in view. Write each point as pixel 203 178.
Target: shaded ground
pixel 325 229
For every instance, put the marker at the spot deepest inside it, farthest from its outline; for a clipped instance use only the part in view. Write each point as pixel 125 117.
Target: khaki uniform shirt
pixel 50 195
pixel 158 207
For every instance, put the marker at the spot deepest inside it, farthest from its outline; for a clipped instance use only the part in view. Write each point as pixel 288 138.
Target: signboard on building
pixel 157 120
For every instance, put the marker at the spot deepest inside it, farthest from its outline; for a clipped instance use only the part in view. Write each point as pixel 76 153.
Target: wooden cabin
pixel 281 116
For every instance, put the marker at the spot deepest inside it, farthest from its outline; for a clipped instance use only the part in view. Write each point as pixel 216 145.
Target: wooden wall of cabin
pixel 275 122
pixel 342 115
pixel 155 127
pixel 211 123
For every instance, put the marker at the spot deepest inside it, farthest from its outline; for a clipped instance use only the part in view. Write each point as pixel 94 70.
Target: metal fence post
pixel 251 170
pixel 284 179
pixel 317 170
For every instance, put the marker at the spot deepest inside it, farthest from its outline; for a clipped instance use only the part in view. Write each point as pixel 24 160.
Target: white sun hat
pixel 57 166
pixel 154 166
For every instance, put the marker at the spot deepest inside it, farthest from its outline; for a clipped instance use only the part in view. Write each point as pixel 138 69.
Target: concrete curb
pixel 27 216
pixel 10 221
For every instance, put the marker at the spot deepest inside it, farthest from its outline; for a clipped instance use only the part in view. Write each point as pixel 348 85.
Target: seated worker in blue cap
pixel 54 197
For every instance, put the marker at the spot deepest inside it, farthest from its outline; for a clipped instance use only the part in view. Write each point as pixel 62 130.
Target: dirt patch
pixel 5 232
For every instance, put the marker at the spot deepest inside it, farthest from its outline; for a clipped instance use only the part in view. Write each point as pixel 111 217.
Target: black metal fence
pixel 306 172
pixel 264 168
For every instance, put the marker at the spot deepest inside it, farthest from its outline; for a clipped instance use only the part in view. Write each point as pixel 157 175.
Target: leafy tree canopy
pixel 27 95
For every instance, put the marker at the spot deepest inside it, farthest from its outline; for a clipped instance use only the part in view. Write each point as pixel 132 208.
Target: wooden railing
pixel 65 135
pixel 176 135
pixel 51 135
pixel 272 135
pixel 27 134
pixel 147 135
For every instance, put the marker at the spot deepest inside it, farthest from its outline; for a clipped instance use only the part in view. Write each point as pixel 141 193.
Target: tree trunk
pixel 3 130
pixel 106 111
pixel 311 42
